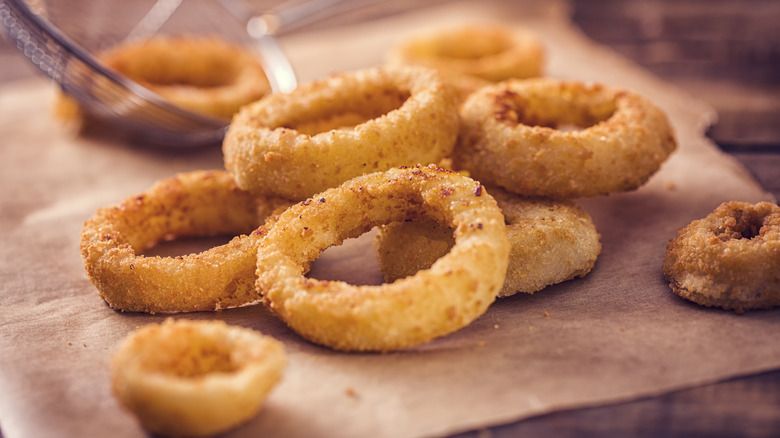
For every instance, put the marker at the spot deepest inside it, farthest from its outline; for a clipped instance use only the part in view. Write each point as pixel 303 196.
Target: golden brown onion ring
pixel 457 289
pixel 551 242
pixel 729 259
pixel 205 74
pixel 491 51
pixel 513 135
pixel 328 131
pixel 200 203
pixel 195 378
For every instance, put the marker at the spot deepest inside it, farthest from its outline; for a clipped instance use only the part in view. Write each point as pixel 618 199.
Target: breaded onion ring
pixel 551 242
pixel 325 132
pixel 195 378
pixel 490 51
pixel 729 259
pixel 204 74
pixel 201 73
pixel 457 289
pixel 510 137
pixel 199 203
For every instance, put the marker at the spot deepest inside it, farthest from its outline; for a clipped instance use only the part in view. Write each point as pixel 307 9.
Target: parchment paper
pixel 616 335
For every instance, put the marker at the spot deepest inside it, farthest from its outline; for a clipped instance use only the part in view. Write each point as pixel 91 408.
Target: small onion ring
pixel 328 131
pixel 490 51
pixel 206 74
pixel 509 138
pixel 195 378
pixel 729 259
pixel 552 242
pixel 199 203
pixel 457 289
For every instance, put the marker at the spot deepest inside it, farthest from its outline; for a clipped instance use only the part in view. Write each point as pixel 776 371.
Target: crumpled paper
pixel 617 334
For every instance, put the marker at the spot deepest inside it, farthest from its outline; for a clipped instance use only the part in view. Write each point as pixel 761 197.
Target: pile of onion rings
pixel 729 259
pixel 195 378
pixel 551 242
pixel 454 291
pixel 199 203
pixel 328 131
pixel 338 142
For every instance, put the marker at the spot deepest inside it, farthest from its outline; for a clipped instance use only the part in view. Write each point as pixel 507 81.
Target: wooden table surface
pixel 727 54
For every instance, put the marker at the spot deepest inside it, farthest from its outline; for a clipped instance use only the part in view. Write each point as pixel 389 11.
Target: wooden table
pixel 727 54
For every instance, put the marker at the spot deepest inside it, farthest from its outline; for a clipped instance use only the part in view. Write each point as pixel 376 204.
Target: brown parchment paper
pixel 617 334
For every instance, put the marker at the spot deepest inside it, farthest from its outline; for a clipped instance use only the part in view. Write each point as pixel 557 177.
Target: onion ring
pixel 325 132
pixel 490 51
pixel 551 241
pixel 729 259
pixel 195 378
pixel 509 138
pixel 199 203
pixel 457 289
pixel 204 74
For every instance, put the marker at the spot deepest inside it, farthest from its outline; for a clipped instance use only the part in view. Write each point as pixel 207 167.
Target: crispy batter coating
pixel 200 203
pixel 195 378
pixel 456 289
pixel 515 135
pixel 551 241
pixel 729 259
pixel 328 131
pixel 490 51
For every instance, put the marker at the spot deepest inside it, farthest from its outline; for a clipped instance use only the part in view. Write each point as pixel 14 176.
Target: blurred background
pixel 724 52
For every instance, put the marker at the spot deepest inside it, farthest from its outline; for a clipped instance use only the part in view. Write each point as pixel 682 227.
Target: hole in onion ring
pixel 197 357
pixel 181 246
pixel 556 112
pixel 476 48
pixel 418 247
pixel 163 77
pixel 744 225
pixel 347 113
pixel 337 263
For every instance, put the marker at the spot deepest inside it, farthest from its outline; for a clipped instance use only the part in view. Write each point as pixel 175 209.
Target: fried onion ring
pixel 204 74
pixel 729 259
pixel 328 131
pixel 200 203
pixel 551 242
pixel 490 51
pixel 510 137
pixel 457 289
pixel 195 378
